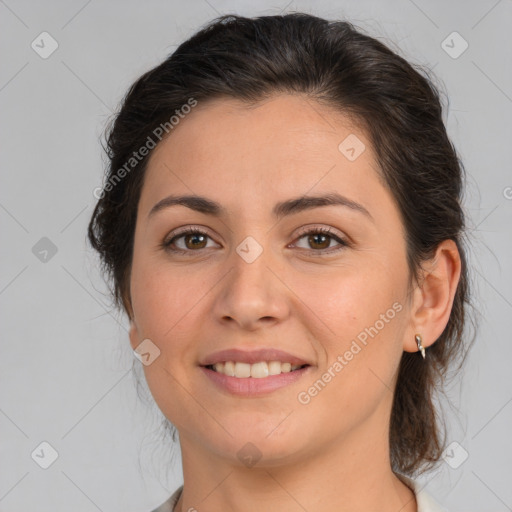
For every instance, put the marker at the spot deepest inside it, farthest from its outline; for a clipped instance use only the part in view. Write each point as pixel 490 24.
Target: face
pixel 306 283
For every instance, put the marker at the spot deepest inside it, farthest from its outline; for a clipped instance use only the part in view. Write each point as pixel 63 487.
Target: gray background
pixel 66 365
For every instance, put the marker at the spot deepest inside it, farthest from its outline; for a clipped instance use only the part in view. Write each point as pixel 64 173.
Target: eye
pixel 193 239
pixel 320 240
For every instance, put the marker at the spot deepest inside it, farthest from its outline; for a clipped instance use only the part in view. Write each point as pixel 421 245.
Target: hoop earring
pixel 420 346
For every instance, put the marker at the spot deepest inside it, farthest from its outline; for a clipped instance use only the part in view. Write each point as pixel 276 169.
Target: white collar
pixel 424 500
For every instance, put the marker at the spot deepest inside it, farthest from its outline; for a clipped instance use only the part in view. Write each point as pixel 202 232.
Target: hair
pixel 251 59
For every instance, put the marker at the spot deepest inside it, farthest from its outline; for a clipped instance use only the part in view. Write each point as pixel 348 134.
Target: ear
pixel 433 296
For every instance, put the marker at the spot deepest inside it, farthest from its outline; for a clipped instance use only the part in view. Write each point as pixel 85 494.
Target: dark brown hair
pixel 334 64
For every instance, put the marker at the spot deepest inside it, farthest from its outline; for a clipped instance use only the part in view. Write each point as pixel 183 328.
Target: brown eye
pixel 192 240
pixel 319 241
pixel 189 241
pixel 195 241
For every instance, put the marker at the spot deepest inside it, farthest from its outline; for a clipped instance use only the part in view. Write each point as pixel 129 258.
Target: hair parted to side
pixel 331 62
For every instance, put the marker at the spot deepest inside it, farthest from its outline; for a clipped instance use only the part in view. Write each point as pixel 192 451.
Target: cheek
pixel 166 305
pixel 349 300
pixel 360 320
pixel 163 297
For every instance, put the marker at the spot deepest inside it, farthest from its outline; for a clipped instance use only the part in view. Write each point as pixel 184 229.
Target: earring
pixel 420 346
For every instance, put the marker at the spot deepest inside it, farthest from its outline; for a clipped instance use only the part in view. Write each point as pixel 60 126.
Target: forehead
pixel 282 125
pixel 284 146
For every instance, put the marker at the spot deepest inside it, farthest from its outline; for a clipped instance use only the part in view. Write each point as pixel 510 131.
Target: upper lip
pixel 251 356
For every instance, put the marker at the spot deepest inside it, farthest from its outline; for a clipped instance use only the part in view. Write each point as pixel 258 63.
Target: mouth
pixel 253 379
pixel 252 373
pixel 257 370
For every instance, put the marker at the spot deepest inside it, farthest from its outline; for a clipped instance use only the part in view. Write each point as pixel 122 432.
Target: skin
pixel 331 454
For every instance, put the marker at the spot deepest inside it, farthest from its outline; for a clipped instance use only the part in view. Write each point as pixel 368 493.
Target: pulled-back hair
pixel 394 102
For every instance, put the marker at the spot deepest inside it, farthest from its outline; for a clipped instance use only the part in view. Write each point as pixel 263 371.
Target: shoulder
pixel 168 505
pixel 425 502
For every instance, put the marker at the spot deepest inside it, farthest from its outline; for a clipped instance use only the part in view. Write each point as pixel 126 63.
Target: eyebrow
pixel 282 209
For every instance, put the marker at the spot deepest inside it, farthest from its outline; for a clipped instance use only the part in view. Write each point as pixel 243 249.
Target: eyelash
pixel 166 245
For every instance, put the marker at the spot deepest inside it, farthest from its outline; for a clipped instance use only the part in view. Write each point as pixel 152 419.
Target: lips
pixel 250 386
pixel 252 373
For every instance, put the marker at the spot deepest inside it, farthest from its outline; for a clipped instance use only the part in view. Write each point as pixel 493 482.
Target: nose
pixel 251 295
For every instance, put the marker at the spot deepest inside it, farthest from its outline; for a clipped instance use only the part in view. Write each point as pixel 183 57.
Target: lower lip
pixel 251 386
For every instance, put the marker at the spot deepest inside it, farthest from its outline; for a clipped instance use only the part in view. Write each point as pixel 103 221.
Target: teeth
pixel 229 368
pixel 242 370
pixel 274 367
pixel 257 370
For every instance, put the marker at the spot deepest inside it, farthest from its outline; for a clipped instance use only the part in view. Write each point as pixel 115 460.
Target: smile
pixel 257 370
pixel 246 383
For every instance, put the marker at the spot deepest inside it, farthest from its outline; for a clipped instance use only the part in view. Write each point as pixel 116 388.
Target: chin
pixel 256 440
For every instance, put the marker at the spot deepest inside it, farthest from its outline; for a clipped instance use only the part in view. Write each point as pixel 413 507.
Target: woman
pixel 282 223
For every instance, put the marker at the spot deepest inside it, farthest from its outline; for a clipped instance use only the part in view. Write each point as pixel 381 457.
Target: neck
pixel 354 475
